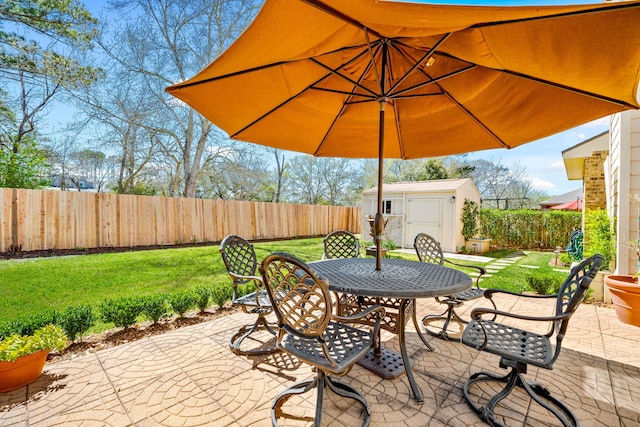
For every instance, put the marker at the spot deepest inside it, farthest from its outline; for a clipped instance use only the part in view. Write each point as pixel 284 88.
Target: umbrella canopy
pixel 569 206
pixel 369 78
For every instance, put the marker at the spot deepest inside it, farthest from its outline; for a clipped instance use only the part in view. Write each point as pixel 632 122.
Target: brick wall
pixel 595 195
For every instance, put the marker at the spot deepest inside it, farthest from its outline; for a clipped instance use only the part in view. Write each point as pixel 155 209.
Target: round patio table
pixel 396 285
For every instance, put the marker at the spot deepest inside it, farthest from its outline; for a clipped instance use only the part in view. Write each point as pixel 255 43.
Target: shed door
pixel 424 215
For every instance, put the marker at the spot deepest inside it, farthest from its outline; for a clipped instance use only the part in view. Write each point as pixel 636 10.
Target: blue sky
pixel 542 159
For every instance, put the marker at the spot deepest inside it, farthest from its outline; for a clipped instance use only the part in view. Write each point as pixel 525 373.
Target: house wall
pixel 623 166
pixel 595 191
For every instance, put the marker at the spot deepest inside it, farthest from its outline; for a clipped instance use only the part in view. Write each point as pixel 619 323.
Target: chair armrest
pixel 376 310
pixel 488 293
pixel 481 270
pixel 247 278
pixel 476 314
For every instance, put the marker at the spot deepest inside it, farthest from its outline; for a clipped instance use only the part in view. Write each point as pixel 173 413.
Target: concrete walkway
pixel 189 377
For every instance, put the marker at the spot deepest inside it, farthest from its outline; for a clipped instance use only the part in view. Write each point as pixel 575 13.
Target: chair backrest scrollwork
pixel 300 300
pixel 341 244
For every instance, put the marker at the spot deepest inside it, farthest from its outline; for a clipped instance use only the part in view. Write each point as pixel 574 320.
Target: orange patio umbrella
pixel 375 78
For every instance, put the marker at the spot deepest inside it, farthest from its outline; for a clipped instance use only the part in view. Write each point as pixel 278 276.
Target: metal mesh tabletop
pixel 398 278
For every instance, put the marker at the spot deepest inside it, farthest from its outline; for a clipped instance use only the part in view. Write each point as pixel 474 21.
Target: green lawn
pixel 35 285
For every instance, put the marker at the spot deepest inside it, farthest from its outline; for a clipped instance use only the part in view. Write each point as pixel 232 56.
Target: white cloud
pixel 556 166
pixel 540 184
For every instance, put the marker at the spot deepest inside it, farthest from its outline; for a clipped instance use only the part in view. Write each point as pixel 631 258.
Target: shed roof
pixel 438 185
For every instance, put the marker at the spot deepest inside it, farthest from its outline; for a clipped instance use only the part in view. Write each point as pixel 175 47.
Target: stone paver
pixel 189 377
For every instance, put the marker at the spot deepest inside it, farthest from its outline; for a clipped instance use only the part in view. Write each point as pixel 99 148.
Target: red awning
pixel 569 206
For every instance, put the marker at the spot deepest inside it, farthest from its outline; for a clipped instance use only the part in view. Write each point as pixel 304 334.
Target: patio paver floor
pixel 189 377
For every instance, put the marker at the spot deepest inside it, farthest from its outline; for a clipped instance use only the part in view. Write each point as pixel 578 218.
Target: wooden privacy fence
pixel 45 220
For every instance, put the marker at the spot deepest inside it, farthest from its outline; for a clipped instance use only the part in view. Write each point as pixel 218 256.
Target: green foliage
pixel 470 214
pixel 389 244
pixel 545 281
pixel 77 320
pixel 529 229
pixel 599 236
pixel 122 312
pixel 48 337
pixel 28 324
pixel 203 296
pixel 221 293
pixel 246 289
pixel 182 301
pixel 155 307
pixel 24 166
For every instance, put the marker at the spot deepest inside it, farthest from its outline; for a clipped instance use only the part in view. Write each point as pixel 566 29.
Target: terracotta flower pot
pixel 625 296
pixel 24 370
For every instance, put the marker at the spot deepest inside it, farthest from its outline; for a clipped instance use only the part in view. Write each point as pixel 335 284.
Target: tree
pixel 168 42
pixel 24 167
pixel 416 170
pixel 305 181
pixel 239 174
pixel 34 72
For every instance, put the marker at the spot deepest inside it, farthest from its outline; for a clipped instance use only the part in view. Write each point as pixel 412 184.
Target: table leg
pixel 419 330
pixel 417 394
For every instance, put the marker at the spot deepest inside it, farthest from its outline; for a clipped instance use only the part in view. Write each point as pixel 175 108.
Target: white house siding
pixel 624 181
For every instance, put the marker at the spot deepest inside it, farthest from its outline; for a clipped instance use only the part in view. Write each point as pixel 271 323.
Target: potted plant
pixel 22 357
pixel 625 292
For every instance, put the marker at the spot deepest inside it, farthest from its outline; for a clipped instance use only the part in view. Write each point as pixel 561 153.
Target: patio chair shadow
pixel 276 363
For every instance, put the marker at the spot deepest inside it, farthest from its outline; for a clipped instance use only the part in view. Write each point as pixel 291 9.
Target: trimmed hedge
pixel 528 229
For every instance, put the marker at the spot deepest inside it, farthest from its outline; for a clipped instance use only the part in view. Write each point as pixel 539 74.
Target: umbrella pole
pixel 378 224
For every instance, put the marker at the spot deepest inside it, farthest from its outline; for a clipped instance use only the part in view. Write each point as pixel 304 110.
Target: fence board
pixel 42 220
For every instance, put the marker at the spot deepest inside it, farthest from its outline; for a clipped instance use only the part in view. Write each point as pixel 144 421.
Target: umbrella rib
pixel 336 73
pixel 559 15
pixel 275 108
pixel 571 89
pixel 416 64
pixel 475 119
pixel 344 105
pixel 398 94
pixel 341 16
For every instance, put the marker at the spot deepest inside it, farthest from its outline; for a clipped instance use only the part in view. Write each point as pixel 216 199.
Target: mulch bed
pixel 118 336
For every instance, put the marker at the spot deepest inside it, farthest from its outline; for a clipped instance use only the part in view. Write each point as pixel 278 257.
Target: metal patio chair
pixel 310 332
pixel 341 244
pixel 430 251
pixel 519 348
pixel 241 263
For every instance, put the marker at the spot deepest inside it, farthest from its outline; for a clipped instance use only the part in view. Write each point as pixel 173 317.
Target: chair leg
pixel 235 343
pixel 449 316
pixel 514 378
pixel 320 382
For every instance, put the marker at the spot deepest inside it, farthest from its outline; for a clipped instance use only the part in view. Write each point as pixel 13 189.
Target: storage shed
pixel 432 207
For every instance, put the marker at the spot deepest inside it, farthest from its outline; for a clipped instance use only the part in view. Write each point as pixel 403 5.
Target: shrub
pixel 181 302
pixel 242 289
pixel 203 296
pixel 545 282
pixel 122 312
pixel 599 236
pixel 77 320
pixel 155 307
pixel 27 325
pixel 221 293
